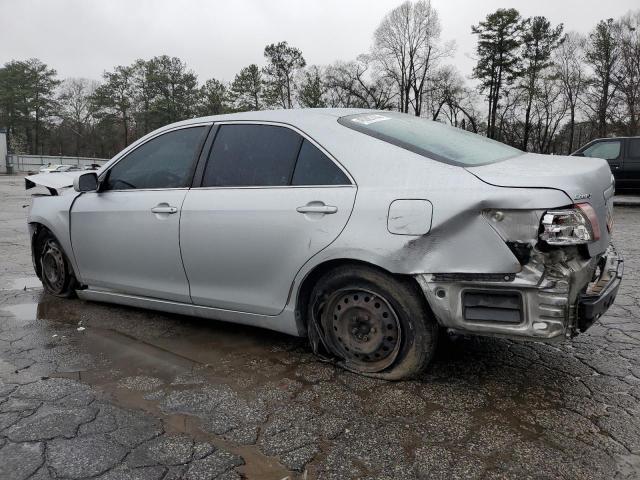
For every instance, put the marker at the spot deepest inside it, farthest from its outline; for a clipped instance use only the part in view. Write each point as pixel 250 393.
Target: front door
pixel 125 237
pixel 268 202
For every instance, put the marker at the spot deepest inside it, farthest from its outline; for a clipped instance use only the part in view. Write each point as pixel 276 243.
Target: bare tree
pixel 626 75
pixel 75 107
pixel 509 113
pixel 407 48
pixel 446 96
pixel 550 109
pixel 354 84
pixel 569 69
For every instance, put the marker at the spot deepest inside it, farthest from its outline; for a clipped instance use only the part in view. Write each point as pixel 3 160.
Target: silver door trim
pixel 272 322
pixel 265 187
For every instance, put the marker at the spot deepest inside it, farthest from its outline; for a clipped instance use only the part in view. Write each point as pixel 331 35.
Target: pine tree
pixel 246 89
pixel 539 39
pixel 283 62
pixel 498 61
pixel 312 90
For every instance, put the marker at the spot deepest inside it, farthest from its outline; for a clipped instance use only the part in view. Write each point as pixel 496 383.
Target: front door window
pixel 163 162
pixel 609 150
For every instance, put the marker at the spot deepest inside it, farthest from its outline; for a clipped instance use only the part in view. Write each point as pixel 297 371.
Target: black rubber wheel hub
pixel 363 329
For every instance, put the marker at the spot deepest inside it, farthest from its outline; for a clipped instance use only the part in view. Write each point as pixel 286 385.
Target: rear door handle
pixel 317 208
pixel 164 208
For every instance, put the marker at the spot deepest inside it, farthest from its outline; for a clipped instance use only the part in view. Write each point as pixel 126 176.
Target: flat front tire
pixel 374 323
pixel 55 271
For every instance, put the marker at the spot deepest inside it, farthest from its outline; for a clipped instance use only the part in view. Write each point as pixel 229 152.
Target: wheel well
pixel 304 292
pixel 37 231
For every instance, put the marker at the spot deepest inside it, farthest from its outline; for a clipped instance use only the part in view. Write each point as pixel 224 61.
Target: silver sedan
pixel 368 232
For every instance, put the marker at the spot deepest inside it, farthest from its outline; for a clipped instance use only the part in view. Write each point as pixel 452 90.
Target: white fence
pixel 32 163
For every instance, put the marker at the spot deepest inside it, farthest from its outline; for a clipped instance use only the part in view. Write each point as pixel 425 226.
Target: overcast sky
pixel 82 38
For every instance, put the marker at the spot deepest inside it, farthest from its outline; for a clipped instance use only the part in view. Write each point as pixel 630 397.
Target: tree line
pixel 534 86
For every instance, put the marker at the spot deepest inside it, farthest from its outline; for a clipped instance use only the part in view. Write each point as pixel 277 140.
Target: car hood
pixel 581 178
pixel 54 182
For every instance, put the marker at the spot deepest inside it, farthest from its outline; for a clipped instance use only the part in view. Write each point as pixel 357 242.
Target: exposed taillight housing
pixel 591 214
pixel 570 226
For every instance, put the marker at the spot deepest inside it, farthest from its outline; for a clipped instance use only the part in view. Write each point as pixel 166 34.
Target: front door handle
pixel 317 208
pixel 164 208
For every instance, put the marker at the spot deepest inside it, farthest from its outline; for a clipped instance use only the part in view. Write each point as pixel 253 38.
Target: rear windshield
pixel 434 140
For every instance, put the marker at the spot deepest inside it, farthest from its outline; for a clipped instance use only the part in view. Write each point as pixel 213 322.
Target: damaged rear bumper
pixel 601 293
pixel 556 295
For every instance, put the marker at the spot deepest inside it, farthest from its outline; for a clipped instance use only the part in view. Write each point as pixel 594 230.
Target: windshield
pixel 434 140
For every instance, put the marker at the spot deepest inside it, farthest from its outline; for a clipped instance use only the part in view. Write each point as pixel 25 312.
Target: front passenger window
pixel 606 150
pixel 165 161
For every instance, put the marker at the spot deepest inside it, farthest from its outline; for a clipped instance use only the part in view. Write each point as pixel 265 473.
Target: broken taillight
pixel 570 226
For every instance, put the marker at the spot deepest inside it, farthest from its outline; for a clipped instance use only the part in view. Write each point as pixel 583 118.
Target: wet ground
pixel 97 391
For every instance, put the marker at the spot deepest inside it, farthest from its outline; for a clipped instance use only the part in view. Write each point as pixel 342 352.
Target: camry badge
pixel 582 196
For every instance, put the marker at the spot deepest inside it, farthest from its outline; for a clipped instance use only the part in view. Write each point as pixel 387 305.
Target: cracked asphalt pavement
pixel 144 395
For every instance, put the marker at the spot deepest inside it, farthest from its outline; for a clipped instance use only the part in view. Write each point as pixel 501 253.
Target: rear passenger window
pixel 315 168
pixel 252 155
pixel 634 147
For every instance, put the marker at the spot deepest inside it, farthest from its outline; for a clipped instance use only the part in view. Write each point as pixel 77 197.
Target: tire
pixel 56 273
pixel 373 323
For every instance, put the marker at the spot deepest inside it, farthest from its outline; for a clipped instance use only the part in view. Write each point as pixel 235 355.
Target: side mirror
pixel 87 182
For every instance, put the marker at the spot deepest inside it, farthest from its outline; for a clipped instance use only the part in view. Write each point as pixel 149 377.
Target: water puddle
pixel 137 358
pixel 51 310
pixel 24 283
pixel 23 311
pixel 139 371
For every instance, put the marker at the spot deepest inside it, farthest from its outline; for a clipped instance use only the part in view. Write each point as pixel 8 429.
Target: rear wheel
pixel 375 324
pixel 55 271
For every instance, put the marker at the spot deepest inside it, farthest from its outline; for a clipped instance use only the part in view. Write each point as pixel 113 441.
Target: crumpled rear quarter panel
pixel 460 238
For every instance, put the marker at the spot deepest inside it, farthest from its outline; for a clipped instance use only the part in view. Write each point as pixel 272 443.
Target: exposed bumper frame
pixel 560 296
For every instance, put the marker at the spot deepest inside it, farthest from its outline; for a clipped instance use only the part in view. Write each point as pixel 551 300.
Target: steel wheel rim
pixel 363 328
pixel 53 267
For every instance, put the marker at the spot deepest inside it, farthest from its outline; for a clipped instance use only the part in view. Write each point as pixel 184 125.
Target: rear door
pixel 126 236
pixel 268 201
pixel 631 173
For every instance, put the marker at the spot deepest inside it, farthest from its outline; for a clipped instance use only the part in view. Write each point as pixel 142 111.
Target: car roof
pixel 366 158
pixel 612 138
pixel 290 116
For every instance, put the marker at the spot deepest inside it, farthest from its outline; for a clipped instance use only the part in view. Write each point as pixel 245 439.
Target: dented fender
pixel 52 212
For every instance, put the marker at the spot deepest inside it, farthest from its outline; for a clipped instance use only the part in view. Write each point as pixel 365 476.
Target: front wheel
pixel 55 271
pixel 373 323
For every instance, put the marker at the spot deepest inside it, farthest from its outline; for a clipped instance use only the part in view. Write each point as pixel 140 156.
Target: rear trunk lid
pixel 582 179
